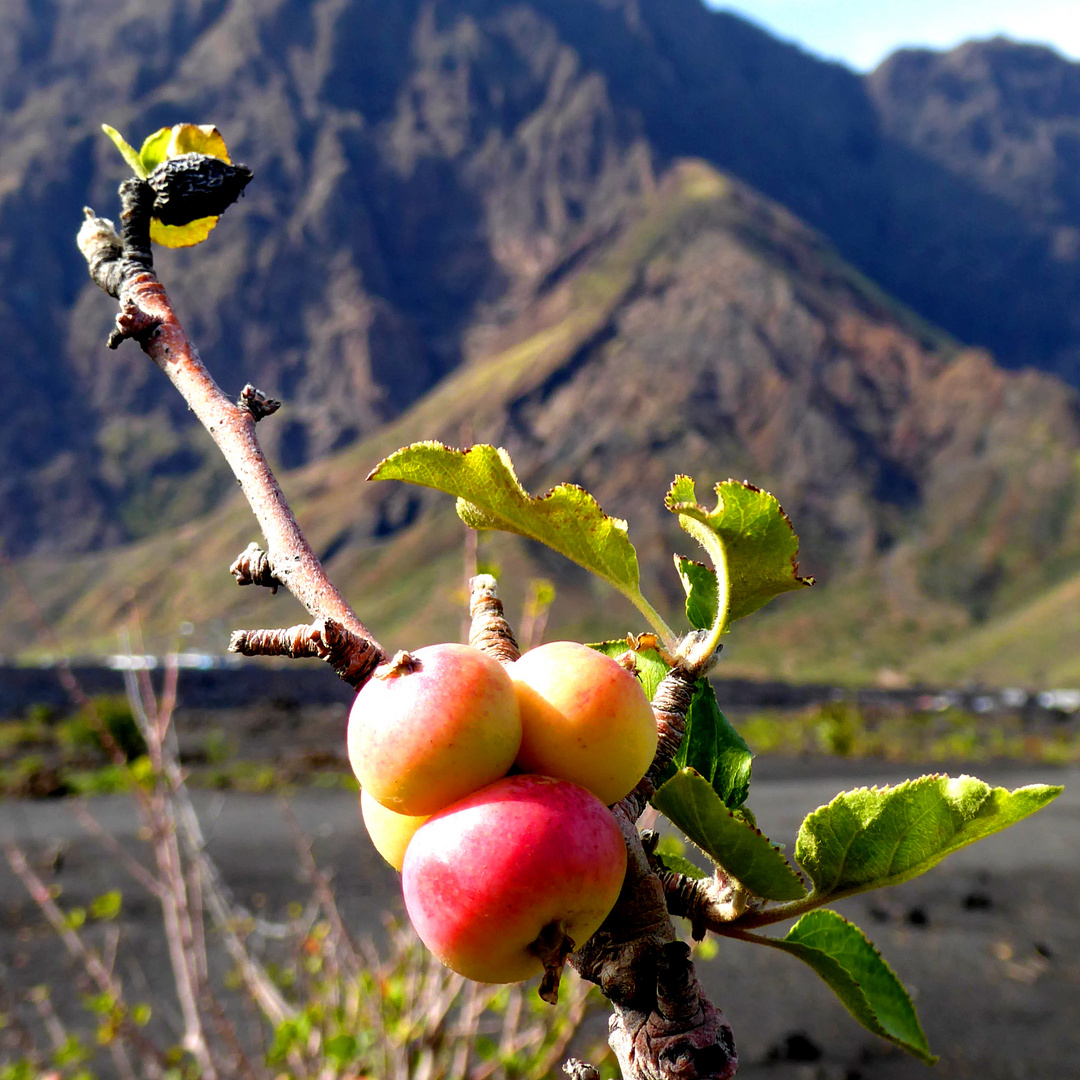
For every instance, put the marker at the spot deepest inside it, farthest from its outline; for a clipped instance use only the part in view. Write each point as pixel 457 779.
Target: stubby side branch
pixel 489 631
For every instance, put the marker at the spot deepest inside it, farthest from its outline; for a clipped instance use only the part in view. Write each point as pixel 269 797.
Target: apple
pixel 490 881
pixel 432 726
pixel 584 718
pixel 389 832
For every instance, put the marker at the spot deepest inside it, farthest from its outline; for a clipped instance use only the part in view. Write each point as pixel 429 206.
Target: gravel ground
pixel 988 942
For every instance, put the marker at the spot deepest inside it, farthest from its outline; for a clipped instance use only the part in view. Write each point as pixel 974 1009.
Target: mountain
pixel 623 237
pixel 421 167
pixel 712 332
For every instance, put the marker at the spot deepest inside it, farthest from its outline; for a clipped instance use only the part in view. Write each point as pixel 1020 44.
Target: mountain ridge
pixel 701 252
pixel 421 169
pixel 473 199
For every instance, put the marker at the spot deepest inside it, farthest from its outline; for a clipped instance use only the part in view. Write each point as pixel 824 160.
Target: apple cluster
pixel 488 787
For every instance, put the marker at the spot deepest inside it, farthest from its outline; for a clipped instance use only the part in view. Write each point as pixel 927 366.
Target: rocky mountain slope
pixel 422 167
pixel 713 333
pixel 473 218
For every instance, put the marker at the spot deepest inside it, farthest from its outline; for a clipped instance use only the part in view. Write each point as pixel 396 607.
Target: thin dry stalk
pixel 176 915
pixel 153 1060
pixel 119 853
pixel 345 950
pixel 54 1027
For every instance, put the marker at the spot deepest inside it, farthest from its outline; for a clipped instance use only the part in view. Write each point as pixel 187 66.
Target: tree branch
pixel 123 267
pixel 663 1027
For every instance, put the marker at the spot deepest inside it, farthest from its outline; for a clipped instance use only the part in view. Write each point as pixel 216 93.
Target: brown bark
pixel 123 267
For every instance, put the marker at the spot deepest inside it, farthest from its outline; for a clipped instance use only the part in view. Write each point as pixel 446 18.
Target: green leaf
pixel 714 749
pixel 759 543
pixel 650 668
pixel 855 971
pixel 107 905
pixel 873 837
pixel 742 851
pixel 341 1049
pixel 490 496
pixel 702 591
pixel 672 853
pixel 710 746
pixel 679 864
pixel 154 149
pixel 130 154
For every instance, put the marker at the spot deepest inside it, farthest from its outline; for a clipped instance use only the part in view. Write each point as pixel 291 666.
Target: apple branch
pixel 663 1026
pixel 123 266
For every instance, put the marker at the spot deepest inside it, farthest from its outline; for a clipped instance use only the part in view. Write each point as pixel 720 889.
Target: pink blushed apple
pixel 491 879
pixel 584 718
pixel 432 726
pixel 390 833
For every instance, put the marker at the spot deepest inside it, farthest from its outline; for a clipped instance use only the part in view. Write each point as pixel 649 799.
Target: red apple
pixel 491 879
pixel 584 718
pixel 432 726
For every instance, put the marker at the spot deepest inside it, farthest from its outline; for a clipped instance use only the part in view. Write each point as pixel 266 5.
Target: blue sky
pixel 863 32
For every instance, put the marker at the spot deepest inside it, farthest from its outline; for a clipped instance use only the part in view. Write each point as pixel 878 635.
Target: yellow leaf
pixel 177 236
pixel 197 139
pixel 129 153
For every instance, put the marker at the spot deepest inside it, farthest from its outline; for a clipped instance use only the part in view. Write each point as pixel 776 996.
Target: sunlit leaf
pixel 490 496
pixel 699 583
pixel 130 154
pixel 178 236
pixel 196 139
pixel 171 143
pixel 855 971
pixel 760 546
pixel 872 837
pixel 154 149
pixel 650 669
pixel 107 905
pixel 742 851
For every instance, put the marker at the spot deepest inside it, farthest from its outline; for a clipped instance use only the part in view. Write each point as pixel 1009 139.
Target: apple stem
pixel 552 946
pixel 489 631
pixel 401 663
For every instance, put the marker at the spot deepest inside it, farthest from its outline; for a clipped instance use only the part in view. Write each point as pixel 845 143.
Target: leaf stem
pixel 653 617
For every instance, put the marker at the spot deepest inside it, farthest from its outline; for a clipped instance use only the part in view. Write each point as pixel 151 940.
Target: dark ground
pixel 988 943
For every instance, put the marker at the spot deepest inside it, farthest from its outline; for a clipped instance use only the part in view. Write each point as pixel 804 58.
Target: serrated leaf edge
pixel 926 1056
pixel 795 871
pixel 821 897
pixel 690 507
pixel 633 594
